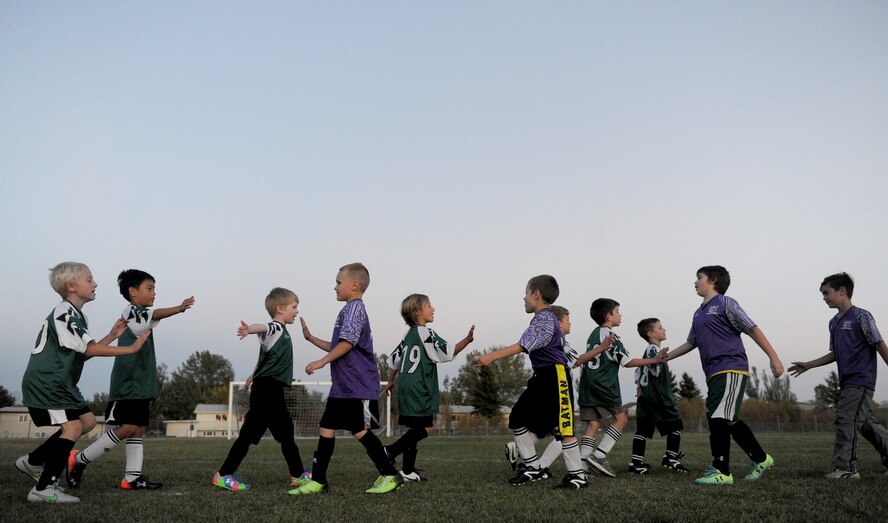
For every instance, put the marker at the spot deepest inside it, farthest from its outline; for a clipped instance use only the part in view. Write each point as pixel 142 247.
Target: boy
pixel 854 341
pixel 656 405
pixel 352 404
pixel 546 405
pixel 415 364
pixel 49 386
pixel 600 396
pixel 268 408
pixel 133 384
pixel 716 330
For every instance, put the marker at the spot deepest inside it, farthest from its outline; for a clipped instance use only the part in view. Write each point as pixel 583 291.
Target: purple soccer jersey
pixel 543 340
pixel 716 332
pixel 354 375
pixel 852 337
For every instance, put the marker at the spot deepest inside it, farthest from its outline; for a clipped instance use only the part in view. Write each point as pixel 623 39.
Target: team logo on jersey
pixel 68 319
pixel 847 325
pixel 138 315
pixel 712 310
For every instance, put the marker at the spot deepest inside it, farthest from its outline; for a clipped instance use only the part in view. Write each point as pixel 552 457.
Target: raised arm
pixel 160 314
pixel 798 367
pixel 117 330
pixel 337 352
pixel 598 349
pixel 759 338
pixel 463 343
pixel 486 359
pixel 682 349
pixel 314 340
pixel 656 360
pixel 245 330
pixel 99 349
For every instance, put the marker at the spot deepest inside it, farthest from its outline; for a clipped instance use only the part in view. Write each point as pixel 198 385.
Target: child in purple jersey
pixel 854 341
pixel 546 405
pixel 352 404
pixel 716 330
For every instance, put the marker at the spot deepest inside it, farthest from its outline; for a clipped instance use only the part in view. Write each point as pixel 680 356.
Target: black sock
pixel 720 444
pixel 322 459
pixel 292 456
pixel 56 461
pixel 377 454
pixel 638 447
pixel 673 444
pixel 38 456
pixel 409 461
pixel 236 454
pixel 408 440
pixel 744 437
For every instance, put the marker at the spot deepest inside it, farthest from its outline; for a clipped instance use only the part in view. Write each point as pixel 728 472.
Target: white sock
pixel 105 443
pixel 134 458
pixel 572 460
pixel 587 446
pixel 611 435
pixel 524 441
pixel 553 450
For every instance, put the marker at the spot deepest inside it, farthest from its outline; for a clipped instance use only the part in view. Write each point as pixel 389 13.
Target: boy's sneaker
pixel 843 474
pixel 74 470
pixel 573 482
pixel 140 483
pixel 511 451
pixel 309 487
pixel 530 474
pixel 675 464
pixel 51 494
pixel 414 476
pixel 640 469
pixel 601 465
pixel 385 484
pixel 301 480
pixel 230 482
pixel 757 470
pixel 32 471
pixel 713 476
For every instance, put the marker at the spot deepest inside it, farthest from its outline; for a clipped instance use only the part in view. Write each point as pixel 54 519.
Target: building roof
pixel 14 408
pixel 210 408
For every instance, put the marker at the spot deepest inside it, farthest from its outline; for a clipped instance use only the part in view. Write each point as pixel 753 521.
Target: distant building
pixel 15 422
pixel 210 421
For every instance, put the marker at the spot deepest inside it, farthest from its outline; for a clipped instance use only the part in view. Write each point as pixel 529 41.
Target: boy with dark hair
pixel 352 404
pixel 133 384
pixel 546 405
pixel 716 330
pixel 49 386
pixel 854 341
pixel 600 396
pixel 655 407
pixel 268 406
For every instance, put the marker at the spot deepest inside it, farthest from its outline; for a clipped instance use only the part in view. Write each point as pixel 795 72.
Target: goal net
pixel 305 401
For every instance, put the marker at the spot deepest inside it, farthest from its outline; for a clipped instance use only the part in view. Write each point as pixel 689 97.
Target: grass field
pixel 468 483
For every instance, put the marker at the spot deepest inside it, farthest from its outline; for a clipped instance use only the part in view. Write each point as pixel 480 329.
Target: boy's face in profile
pixel 832 296
pixel 703 285
pixel 531 300
pixel 346 286
pixel 614 317
pixel 564 323
pixel 84 287
pixel 426 314
pixel 288 312
pixel 657 333
pixel 143 295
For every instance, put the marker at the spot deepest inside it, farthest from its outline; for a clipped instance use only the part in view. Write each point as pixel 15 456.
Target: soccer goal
pixel 305 401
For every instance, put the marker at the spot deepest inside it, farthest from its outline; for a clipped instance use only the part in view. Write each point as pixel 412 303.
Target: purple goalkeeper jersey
pixel 852 338
pixel 716 332
pixel 354 375
pixel 543 340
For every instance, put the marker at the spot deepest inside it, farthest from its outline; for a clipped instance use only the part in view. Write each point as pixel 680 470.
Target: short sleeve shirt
pixel 543 340
pixel 354 375
pixel 275 354
pixel 852 338
pixel 600 381
pixel 716 330
pixel 134 376
pixel 416 359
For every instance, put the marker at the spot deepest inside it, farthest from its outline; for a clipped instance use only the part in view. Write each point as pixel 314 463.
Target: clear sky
pixel 457 149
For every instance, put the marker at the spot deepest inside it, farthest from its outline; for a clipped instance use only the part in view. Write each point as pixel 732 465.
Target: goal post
pixel 305 401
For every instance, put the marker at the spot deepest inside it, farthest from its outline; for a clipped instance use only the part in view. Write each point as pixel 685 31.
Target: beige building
pixel 210 421
pixel 15 422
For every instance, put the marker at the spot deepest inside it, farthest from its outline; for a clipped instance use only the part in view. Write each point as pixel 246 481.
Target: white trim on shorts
pixel 728 406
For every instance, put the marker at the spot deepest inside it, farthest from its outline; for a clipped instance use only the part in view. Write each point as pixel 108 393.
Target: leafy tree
pixel 775 389
pixel 826 396
pixel 687 388
pixel 754 385
pixel 7 399
pixel 155 417
pixel 451 395
pixel 202 378
pixel 488 388
pixel 99 403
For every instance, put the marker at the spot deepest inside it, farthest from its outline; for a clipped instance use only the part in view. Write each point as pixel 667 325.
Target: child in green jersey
pixel 415 363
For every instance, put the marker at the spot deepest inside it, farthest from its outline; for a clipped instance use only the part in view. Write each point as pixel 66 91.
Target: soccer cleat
pixel 309 487
pixel 530 474
pixel 140 483
pixel 601 465
pixel 511 451
pixel 230 482
pixel 843 474
pixel 573 481
pixel 757 470
pixel 675 464
pixel 713 476
pixel 74 470
pixel 51 494
pixel 32 471
pixel 304 478
pixel 384 484
pixel 641 469
pixel 413 477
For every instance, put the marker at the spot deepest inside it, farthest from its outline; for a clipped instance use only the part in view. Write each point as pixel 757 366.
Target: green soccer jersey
pixel 600 382
pixel 275 354
pixel 656 386
pixel 416 358
pixel 134 376
pixel 50 381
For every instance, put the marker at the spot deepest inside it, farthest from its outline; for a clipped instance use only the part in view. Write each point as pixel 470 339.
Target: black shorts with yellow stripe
pixel 546 405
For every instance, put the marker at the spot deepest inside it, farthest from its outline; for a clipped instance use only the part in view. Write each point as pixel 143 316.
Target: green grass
pixel 468 483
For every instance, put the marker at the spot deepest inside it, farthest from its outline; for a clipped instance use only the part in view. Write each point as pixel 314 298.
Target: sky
pixel 456 149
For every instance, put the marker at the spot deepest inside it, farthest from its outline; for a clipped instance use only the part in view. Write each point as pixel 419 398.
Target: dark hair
pixel 560 312
pixel 717 275
pixel 601 308
pixel 412 306
pixel 131 278
pixel 645 325
pixel 547 286
pixel 839 280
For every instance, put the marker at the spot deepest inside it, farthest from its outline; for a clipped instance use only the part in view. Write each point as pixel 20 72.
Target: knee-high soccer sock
pixel 720 444
pixel 611 435
pixel 56 461
pixel 135 453
pixel 106 442
pixel 409 461
pixel 524 442
pixel 292 456
pixel 322 459
pixel 587 446
pixel 638 446
pixel 744 437
pixel 673 445
pixel 408 440
pixel 553 450
pixel 38 456
pixel 377 454
pixel 572 461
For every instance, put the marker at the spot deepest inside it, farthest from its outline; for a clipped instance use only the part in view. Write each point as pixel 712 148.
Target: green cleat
pixel 309 487
pixel 713 476
pixel 230 482
pixel 385 484
pixel 757 470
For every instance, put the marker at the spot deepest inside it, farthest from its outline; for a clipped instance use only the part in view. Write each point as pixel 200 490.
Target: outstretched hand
pixel 663 355
pixel 483 360
pixel 140 340
pixel 243 330
pixel 470 337
pixel 186 304
pixel 305 332
pixel 797 368
pixel 118 328
pixel 313 366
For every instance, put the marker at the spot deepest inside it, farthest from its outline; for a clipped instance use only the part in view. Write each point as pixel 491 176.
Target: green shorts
pixel 725 395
